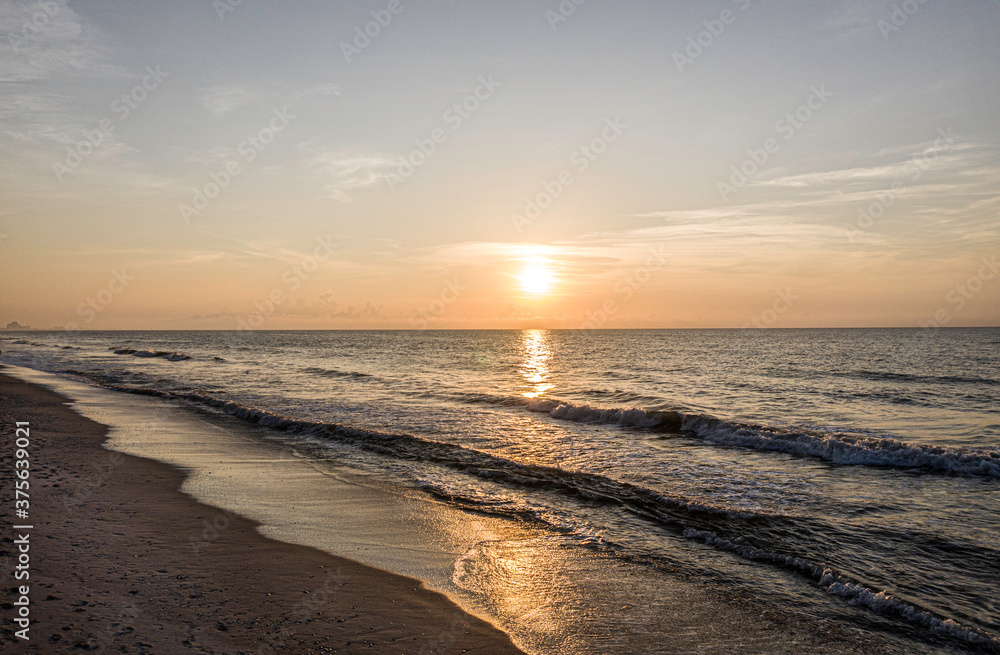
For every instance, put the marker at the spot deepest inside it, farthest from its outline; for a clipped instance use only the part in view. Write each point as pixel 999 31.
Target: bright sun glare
pixel 536 278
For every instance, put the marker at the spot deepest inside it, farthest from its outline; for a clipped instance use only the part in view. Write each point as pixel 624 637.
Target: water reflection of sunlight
pixel 535 355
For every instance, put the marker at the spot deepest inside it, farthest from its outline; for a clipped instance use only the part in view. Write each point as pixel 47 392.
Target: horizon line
pixel 518 329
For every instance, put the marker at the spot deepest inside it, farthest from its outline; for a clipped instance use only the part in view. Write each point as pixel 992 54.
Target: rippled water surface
pixel 850 475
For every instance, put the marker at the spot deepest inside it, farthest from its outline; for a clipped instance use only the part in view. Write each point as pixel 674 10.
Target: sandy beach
pixel 113 568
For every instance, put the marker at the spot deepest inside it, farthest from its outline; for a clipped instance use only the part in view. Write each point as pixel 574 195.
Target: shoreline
pixel 545 594
pixel 113 570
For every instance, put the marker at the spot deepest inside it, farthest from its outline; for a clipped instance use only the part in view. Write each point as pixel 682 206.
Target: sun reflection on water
pixel 535 355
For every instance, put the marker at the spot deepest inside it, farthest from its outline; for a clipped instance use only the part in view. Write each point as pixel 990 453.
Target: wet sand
pixel 114 567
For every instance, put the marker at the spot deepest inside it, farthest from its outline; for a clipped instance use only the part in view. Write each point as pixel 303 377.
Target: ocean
pixel 847 478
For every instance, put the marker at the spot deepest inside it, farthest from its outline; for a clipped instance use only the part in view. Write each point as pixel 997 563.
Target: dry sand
pixel 114 569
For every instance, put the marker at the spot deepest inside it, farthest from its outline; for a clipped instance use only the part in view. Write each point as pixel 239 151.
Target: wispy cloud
pixel 697 215
pixel 221 100
pixel 907 163
pixel 41 39
pixel 316 91
pixel 345 170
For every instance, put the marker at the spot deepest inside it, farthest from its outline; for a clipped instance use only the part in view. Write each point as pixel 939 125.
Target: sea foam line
pixel 856 594
pixel 847 449
pixel 837 448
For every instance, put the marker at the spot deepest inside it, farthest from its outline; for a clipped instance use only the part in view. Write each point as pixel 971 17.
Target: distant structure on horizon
pixel 14 325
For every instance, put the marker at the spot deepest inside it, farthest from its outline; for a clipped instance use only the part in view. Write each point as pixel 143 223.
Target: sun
pixel 536 278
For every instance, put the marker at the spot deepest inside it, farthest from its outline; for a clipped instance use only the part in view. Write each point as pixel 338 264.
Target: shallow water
pixel 843 476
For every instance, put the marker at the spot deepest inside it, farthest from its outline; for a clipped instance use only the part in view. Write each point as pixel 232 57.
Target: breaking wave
pixel 169 356
pixel 880 602
pixel 834 447
pixel 335 373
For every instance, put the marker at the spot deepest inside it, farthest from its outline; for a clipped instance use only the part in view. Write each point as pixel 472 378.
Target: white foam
pixel 586 413
pixel 881 602
pixel 833 447
pixel 847 449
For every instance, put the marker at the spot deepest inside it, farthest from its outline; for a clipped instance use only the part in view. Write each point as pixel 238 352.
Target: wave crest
pixel 847 449
pixel 834 447
pixel 627 417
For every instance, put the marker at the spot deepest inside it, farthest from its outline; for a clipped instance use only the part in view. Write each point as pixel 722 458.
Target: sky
pixel 420 164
